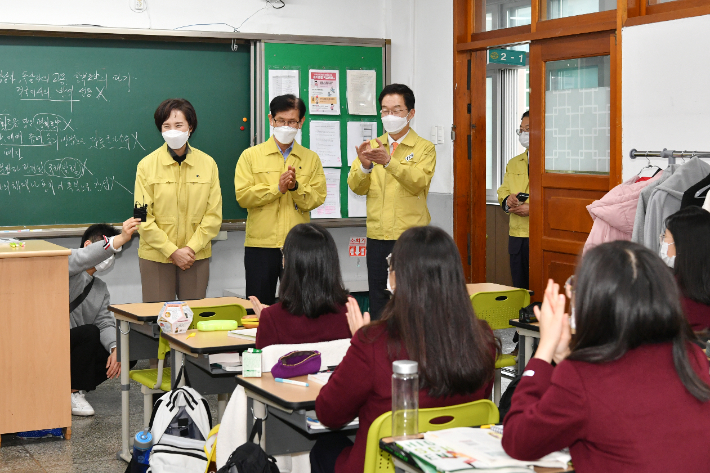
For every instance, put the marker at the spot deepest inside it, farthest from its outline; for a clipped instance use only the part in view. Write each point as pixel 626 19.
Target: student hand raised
pixel 360 150
pixel 378 155
pixel 183 258
pixel 129 226
pixel 113 367
pixel 257 306
pixel 355 317
pixel 555 332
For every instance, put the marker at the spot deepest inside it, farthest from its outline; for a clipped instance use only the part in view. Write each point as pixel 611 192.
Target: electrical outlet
pixel 139 5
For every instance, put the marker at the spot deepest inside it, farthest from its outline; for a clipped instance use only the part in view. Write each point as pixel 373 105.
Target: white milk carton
pixel 175 317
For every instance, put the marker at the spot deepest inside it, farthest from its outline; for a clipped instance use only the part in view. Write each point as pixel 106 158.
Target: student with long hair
pixel 429 320
pixel 629 392
pixel 312 298
pixel 686 248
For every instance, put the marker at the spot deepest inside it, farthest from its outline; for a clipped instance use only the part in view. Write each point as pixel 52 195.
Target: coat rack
pixel 671 155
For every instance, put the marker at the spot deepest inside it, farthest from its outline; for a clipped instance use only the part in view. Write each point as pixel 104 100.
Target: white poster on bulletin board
pixel 323 92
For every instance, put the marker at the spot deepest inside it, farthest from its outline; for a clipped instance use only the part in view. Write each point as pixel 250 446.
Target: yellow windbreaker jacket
pixel 396 195
pixel 184 204
pixel 516 180
pixel 271 214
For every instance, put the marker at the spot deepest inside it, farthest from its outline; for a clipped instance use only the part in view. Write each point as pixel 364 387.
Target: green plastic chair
pixel 153 380
pixel 462 415
pixel 497 308
pixel 218 312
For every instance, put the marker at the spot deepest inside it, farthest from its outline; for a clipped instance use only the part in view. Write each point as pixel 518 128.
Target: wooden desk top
pixel 487 287
pixel 148 311
pixel 33 248
pixel 204 343
pixel 288 396
pixel 534 326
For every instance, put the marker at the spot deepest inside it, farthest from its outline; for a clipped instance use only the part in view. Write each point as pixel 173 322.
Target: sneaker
pixel 79 405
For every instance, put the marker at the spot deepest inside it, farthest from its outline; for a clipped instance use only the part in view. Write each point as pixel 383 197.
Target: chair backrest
pixel 435 418
pixel 332 352
pixel 497 308
pixel 218 312
pixel 163 347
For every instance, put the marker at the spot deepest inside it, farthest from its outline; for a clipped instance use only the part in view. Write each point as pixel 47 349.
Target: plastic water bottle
pixel 405 399
pixel 142 445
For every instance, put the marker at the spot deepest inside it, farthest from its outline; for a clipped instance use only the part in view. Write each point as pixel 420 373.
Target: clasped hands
pixel 287 181
pixel 183 258
pixel 369 155
pixel 555 333
pixel 516 207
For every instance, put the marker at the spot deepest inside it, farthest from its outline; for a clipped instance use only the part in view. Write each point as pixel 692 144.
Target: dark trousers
pixel 262 268
pixel 519 251
pixel 326 451
pixel 88 358
pixel 377 251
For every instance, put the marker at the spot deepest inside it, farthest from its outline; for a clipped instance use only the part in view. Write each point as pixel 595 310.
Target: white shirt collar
pixel 390 140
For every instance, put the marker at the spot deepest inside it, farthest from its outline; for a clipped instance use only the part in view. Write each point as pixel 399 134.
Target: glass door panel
pixel 564 8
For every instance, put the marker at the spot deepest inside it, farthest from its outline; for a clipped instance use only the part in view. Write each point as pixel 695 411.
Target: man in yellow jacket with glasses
pixel 395 172
pixel 279 182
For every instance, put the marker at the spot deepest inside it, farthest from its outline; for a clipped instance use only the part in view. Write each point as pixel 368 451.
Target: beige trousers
pixel 164 282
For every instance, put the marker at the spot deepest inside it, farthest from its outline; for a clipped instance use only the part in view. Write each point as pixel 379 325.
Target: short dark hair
pixel 284 103
pixel 311 284
pixel 430 315
pixel 690 228
pixel 164 110
pixel 399 89
pixel 626 297
pixel 97 231
pixel 525 115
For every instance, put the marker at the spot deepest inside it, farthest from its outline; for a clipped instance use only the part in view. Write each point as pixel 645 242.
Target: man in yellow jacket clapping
pixel 279 182
pixel 395 172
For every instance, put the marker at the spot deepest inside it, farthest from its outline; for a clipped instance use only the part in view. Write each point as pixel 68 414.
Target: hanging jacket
pixel 644 198
pixel 614 214
pixel 666 199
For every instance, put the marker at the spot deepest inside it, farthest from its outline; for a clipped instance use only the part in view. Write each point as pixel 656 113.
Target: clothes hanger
pixel 649 166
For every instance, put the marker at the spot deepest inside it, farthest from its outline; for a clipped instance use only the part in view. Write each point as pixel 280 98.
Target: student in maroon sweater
pixel 312 298
pixel 630 390
pixel 430 320
pixel 688 241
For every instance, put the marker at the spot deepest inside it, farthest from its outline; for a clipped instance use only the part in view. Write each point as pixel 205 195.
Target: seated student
pixel 630 390
pixel 93 328
pixel 312 299
pixel 429 320
pixel 686 248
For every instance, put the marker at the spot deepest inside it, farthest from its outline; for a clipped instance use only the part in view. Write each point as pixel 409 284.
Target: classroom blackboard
pixel 304 57
pixel 76 117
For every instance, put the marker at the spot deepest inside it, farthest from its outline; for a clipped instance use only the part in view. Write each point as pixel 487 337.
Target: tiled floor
pixel 96 440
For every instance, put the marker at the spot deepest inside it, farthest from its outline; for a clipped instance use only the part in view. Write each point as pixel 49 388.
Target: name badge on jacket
pixel 409 158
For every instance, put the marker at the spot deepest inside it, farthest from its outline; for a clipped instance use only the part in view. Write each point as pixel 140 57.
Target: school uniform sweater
pixel 361 387
pixel 698 314
pixel 278 327
pixel 632 415
pixel 94 309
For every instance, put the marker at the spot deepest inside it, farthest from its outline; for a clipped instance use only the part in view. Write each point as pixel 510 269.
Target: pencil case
pixel 297 363
pixel 214 325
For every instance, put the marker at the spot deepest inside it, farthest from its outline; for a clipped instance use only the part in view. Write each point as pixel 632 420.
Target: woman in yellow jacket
pixel 180 185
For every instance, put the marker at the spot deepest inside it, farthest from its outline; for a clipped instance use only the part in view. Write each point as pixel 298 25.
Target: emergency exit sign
pixel 507 56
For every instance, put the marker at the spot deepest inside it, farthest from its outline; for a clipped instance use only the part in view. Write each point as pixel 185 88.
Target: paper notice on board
pixel 357 204
pixel 282 82
pixel 299 135
pixel 357 133
pixel 331 206
pixel 323 92
pixel 325 142
pixel 361 90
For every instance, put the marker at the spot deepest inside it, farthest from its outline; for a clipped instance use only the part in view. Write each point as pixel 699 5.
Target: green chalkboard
pixel 76 117
pixel 305 57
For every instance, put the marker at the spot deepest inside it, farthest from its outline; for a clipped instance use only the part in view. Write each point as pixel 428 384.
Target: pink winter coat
pixel 614 214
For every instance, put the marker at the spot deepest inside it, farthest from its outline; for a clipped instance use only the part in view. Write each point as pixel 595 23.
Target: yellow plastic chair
pixel 497 308
pixel 153 380
pixel 218 312
pixel 462 415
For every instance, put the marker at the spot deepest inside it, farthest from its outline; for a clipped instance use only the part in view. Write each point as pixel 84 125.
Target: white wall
pixel 666 97
pixel 422 57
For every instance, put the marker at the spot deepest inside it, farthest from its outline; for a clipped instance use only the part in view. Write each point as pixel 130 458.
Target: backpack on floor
pixel 250 457
pixel 180 425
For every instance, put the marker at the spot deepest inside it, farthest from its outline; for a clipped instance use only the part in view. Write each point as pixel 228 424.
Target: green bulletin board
pixel 305 57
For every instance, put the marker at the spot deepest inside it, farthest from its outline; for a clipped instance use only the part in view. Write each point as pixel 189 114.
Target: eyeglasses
pixel 396 111
pixel 569 286
pixel 291 123
pixel 522 130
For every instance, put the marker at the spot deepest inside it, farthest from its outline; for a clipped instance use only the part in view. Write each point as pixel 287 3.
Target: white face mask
pixel 285 134
pixel 669 260
pixel 394 124
pixel 176 139
pixel 524 139
pixel 105 265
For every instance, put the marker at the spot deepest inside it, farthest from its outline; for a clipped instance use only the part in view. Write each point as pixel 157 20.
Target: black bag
pixel 506 398
pixel 527 314
pixel 250 457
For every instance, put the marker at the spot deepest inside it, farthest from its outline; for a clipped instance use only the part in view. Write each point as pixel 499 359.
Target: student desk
pixel 142 318
pixel 526 332
pixel 34 338
pixel 487 287
pixel 286 422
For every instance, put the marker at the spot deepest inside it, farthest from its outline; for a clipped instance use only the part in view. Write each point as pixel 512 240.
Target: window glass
pixel 564 8
pixel 507 14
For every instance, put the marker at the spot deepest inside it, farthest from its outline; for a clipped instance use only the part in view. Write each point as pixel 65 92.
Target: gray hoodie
pixel 94 309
